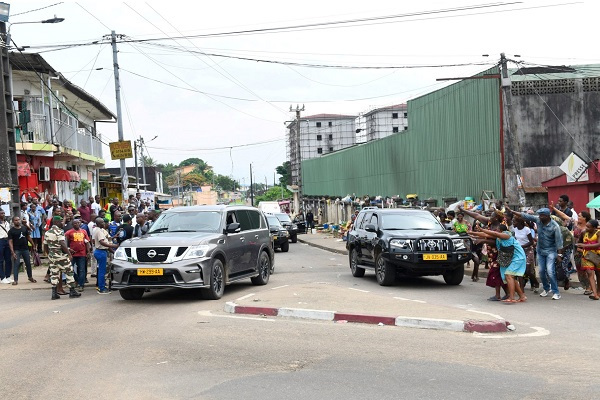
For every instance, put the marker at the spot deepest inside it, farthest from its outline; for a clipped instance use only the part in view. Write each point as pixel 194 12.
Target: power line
pixel 93 16
pixel 37 9
pixel 220 148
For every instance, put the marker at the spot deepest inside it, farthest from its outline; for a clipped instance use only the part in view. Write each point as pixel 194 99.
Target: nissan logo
pixel 152 253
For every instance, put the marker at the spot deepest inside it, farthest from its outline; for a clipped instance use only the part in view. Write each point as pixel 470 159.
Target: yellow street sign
pixel 120 150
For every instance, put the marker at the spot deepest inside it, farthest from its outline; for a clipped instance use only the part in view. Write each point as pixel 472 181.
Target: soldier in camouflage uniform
pixel 59 257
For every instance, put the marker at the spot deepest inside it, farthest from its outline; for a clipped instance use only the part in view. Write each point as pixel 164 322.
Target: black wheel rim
pixel 380 269
pixel 353 260
pixel 217 279
pixel 264 266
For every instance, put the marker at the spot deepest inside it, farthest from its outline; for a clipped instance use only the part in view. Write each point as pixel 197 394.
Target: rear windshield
pixel 193 221
pixel 283 217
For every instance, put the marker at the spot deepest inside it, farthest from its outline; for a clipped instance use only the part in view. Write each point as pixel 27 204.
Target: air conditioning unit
pixel 44 174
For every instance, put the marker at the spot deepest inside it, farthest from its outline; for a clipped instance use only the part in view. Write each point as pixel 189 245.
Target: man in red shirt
pixel 85 210
pixel 78 242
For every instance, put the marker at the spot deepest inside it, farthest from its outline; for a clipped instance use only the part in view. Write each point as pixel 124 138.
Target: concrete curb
pixel 318 246
pixel 406 322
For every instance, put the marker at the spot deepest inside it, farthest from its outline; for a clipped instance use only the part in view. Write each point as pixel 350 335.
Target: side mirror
pixel 233 228
pixel 370 228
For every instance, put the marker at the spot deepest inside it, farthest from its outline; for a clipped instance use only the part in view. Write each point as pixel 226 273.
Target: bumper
pixel 414 263
pixel 185 274
pixel 280 240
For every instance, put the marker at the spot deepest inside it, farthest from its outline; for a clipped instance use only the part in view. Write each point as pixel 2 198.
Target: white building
pixel 58 147
pixel 320 134
pixel 383 122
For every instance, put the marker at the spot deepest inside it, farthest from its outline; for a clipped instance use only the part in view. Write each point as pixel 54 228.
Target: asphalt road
pixel 171 345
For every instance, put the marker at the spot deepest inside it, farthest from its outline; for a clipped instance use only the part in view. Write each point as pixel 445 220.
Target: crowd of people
pixel 562 241
pixel 75 240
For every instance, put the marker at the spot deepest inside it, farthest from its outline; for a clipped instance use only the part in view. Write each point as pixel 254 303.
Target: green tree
pixel 272 194
pixel 285 171
pixel 225 183
pixel 149 161
pixel 167 169
pixel 193 161
pixel 193 179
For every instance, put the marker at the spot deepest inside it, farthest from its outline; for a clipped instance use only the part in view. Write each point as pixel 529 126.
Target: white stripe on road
pixel 486 313
pixel 210 314
pixel 359 290
pixel 405 299
pixel 279 287
pixel 538 332
pixel 246 296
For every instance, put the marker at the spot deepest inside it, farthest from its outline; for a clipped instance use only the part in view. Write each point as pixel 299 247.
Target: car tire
pixel 132 294
pixel 357 271
pixel 455 277
pixel 294 238
pixel 384 271
pixel 285 247
pixel 264 270
pixel 216 281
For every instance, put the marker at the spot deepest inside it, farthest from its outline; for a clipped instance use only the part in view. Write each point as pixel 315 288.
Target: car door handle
pixel 242 239
pixel 256 236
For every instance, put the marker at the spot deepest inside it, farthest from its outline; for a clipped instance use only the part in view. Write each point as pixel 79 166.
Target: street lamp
pixel 54 20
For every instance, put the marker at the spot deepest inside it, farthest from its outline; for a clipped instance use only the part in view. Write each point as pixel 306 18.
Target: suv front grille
pixel 152 254
pixel 431 245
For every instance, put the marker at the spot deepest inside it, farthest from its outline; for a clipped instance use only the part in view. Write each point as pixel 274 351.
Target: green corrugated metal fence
pixel 452 149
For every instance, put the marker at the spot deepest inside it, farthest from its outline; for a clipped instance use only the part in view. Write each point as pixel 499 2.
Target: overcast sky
pixel 189 123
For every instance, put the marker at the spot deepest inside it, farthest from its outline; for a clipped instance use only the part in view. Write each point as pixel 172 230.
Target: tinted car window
pixel 244 220
pixel 273 221
pixel 409 221
pixel 365 220
pixel 359 220
pixel 254 219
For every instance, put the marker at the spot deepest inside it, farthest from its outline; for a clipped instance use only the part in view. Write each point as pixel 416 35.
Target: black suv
pixel 204 247
pixel 279 233
pixel 408 241
pixel 287 223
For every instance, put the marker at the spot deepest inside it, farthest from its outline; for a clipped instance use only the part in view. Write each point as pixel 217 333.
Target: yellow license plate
pixel 149 271
pixel 435 257
pixel 274 237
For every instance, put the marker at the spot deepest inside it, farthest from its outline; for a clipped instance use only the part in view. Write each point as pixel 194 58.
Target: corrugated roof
pixel 554 72
pixel 33 62
pixel 329 116
pixel 398 107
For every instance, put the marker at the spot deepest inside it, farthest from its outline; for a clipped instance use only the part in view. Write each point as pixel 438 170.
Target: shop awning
pixel 58 174
pixel 23 169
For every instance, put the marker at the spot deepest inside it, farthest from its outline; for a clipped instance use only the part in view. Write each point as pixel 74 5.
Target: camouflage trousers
pixel 57 266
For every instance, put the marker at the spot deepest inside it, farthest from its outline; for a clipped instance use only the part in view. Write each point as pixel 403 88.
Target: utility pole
pixel 298 193
pixel 512 170
pixel 143 161
pixel 135 152
pixel 8 153
pixel 124 177
pixel 251 188
pixel 179 187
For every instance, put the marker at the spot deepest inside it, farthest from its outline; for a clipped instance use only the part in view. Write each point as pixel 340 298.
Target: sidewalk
pixel 327 241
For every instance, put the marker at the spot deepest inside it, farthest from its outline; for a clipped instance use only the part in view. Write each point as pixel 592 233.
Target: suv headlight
pixel 401 244
pixel 120 254
pixel 196 251
pixel 462 244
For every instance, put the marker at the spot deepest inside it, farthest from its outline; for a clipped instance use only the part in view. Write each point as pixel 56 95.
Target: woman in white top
pixel 524 236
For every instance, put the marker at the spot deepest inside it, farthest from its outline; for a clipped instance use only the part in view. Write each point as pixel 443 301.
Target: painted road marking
pixel 279 287
pixel 486 313
pixel 246 296
pixel 538 332
pixel 210 314
pixel 359 290
pixel 405 299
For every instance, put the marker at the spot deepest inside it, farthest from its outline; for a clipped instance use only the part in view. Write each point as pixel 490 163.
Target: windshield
pixel 196 221
pixel 284 218
pixel 273 221
pixel 410 222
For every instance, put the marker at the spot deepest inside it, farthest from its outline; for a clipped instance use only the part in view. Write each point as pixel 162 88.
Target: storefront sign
pixel 574 166
pixel 120 150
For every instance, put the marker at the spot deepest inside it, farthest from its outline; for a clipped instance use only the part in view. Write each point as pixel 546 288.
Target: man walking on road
pixel 79 247
pixel 19 241
pixel 59 258
pixel 549 241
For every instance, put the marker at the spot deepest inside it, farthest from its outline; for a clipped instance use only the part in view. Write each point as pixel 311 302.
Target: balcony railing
pixel 66 133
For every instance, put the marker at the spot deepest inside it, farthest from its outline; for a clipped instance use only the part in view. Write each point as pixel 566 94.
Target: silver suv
pixel 204 247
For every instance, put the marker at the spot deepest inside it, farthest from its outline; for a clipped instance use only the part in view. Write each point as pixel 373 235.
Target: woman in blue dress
pixel 35 220
pixel 515 266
